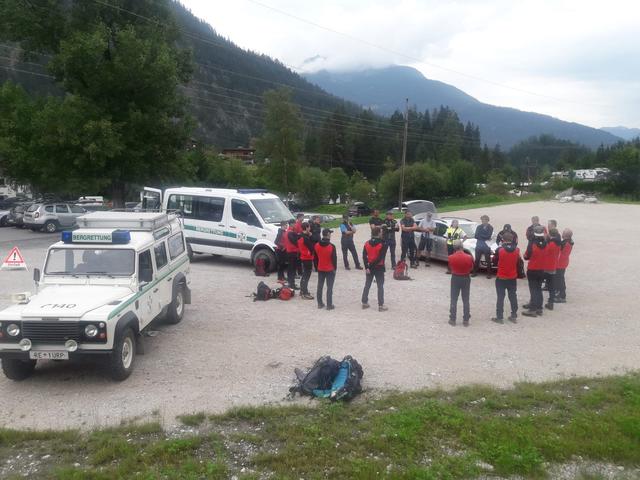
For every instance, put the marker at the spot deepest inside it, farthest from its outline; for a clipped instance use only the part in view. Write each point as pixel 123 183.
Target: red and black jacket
pixel 373 254
pixel 507 257
pixel 305 247
pixel 565 253
pixel 552 252
pixel 535 254
pixel 280 241
pixel 460 263
pixel 291 241
pixel 325 258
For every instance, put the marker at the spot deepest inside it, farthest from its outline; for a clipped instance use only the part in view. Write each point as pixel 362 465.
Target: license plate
pixel 34 355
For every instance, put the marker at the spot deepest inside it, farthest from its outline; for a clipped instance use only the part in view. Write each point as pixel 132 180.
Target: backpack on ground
pixel 260 265
pixel 400 272
pixel 263 292
pixel 331 379
pixel 284 293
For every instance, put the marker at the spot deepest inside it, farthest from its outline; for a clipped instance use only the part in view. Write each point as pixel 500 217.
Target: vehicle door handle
pixel 221 224
pixel 232 226
pixel 169 279
pixel 155 290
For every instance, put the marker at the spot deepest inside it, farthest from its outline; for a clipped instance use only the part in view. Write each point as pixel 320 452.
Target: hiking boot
pixel 474 274
pixel 527 306
pixel 331 307
pixel 307 296
pixel 320 306
pixel 513 318
pixel 452 322
pixel 347 267
pixel 393 266
pixel 539 312
pixel 465 323
pixel 549 306
pixel 489 276
pixel 365 306
pixel 382 308
pixel 498 320
pixel 359 267
pixel 530 313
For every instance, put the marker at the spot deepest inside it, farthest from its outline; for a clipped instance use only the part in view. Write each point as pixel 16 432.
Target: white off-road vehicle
pixel 101 287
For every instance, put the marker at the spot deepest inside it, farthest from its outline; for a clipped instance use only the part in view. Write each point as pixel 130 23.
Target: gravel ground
pixel 231 351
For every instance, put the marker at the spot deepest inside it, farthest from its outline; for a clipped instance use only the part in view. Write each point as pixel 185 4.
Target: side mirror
pixel 36 275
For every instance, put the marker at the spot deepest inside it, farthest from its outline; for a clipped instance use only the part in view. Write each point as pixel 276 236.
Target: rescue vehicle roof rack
pixel 251 190
pixel 141 221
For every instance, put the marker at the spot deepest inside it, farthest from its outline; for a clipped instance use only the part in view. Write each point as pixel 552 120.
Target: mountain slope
pixel 384 91
pixel 623 132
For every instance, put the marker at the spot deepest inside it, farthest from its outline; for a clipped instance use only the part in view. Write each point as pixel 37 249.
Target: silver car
pixel 51 217
pixel 439 250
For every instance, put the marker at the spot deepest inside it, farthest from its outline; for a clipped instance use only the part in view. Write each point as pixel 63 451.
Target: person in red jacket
pixel 507 257
pixel 461 265
pixel 535 254
pixel 373 255
pixel 326 263
pixel 552 252
pixel 291 246
pixel 297 227
pixel 563 264
pixel 305 248
pixel 281 251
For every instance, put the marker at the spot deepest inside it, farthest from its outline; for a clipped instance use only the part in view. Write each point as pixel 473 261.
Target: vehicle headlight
pixel 25 344
pixel 13 330
pixel 71 345
pixel 91 331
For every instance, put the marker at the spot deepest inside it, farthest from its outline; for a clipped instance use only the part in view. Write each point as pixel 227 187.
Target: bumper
pixel 20 355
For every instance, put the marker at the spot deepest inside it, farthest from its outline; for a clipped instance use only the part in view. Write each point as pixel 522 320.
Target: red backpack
pixel 400 272
pixel 261 267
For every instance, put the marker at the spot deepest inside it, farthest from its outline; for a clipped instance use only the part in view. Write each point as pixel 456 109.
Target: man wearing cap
pixel 536 256
pixel 325 260
pixel 427 227
pixel 389 228
pixel 461 265
pixel 346 242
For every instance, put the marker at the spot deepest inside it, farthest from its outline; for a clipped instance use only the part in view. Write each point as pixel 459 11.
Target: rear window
pixel 176 245
pixel 48 208
pixel 161 255
pixel 34 207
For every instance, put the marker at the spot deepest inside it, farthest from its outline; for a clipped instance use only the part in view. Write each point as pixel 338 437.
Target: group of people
pixel 305 246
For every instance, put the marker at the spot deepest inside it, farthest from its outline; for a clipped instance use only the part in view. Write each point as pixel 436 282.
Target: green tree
pixel 314 187
pixel 625 164
pixel 338 182
pixel 281 142
pixel 122 120
pixel 461 179
pixel 361 190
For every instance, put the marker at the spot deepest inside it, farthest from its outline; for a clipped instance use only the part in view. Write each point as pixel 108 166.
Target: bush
pixel 314 186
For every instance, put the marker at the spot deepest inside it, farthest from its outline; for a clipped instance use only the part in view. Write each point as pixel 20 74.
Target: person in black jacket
pixel 281 251
pixel 507 229
pixel 373 255
pixel 389 228
pixel 484 232
pixel 316 229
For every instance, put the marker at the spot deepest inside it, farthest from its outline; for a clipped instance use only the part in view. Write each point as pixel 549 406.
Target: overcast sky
pixel 575 60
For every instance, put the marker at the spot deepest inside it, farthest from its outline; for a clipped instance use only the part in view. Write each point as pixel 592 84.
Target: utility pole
pixel 404 153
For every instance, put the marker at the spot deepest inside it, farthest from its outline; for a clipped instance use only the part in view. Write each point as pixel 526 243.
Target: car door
pixel 440 241
pixel 244 227
pixel 64 215
pixel 151 199
pixel 146 308
pixel 162 290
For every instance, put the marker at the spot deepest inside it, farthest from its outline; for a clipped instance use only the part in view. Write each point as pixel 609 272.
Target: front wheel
pixel 3 221
pixel 18 369
pixel 269 258
pixel 123 356
pixel 176 307
pixel 50 227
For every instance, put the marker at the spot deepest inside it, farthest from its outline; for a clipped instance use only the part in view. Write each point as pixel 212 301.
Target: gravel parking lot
pixel 231 351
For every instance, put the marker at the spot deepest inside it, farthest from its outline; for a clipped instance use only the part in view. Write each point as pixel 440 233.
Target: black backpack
pixel 319 377
pixel 263 292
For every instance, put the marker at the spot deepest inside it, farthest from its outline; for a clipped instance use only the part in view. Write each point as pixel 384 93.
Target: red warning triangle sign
pixel 14 261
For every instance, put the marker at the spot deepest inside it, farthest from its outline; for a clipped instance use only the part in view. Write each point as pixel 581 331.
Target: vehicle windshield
pixel 33 207
pixel 90 261
pixel 469 229
pixel 272 210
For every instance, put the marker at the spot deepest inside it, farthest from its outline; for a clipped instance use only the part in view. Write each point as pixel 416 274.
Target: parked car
pixel 416 207
pixel 359 209
pixel 51 216
pixel 439 251
pixel 16 215
pixel 4 217
pixel 324 218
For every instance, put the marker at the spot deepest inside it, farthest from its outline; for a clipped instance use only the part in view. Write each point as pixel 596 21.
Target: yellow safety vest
pixel 453 234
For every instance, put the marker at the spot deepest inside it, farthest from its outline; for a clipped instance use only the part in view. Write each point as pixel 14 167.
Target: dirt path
pixel 230 351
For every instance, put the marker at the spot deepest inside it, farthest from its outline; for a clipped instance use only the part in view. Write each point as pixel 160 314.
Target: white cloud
pixel 579 58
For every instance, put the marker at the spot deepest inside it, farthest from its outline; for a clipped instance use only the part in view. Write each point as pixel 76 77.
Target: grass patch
pixel 430 434
pixel 193 420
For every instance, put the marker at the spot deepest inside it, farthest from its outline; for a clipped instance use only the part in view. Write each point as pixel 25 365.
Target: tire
pixel 175 312
pixel 3 221
pixel 18 369
pixel 50 227
pixel 268 256
pixel 122 360
pixel 190 252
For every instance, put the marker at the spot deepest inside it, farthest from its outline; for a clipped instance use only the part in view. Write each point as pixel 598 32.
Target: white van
pixel 221 221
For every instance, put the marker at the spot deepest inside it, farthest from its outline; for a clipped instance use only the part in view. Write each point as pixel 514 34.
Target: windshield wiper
pixel 100 273
pixel 62 273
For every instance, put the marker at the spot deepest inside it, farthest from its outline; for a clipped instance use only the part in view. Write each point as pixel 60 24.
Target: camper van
pixel 239 223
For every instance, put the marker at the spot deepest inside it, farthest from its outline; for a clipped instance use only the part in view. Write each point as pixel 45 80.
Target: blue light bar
pixel 67 236
pixel 121 237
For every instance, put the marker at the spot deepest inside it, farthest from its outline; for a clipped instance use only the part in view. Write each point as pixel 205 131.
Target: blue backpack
pixel 331 379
